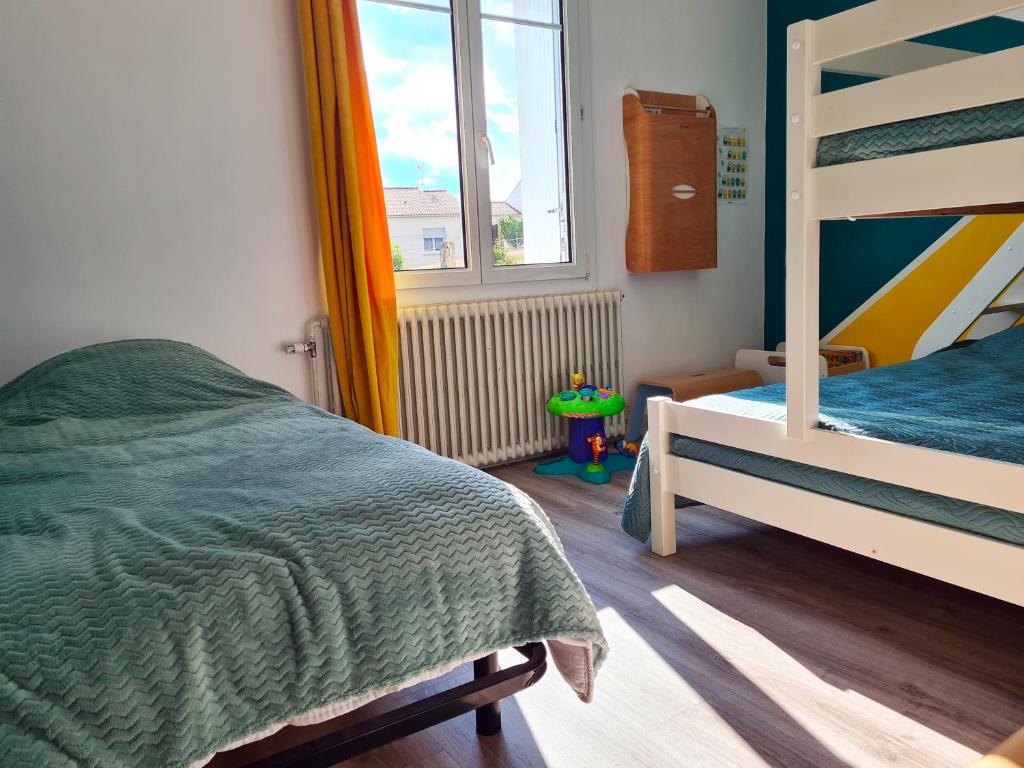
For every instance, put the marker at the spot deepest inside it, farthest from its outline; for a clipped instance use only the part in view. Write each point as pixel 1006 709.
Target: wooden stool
pixel 682 387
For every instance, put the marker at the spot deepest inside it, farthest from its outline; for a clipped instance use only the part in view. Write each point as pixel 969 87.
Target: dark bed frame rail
pixel 484 693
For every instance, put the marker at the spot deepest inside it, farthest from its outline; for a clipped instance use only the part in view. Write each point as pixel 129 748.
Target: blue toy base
pixel 598 474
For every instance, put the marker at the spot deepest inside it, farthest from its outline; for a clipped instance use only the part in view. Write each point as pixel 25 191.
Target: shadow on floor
pixel 779 740
pixel 944 657
pixel 928 650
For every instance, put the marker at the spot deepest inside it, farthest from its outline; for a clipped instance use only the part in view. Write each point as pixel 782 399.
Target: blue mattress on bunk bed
pixel 968 400
pixel 965 126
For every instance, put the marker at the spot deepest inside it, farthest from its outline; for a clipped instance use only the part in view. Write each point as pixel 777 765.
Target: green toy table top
pixel 586 402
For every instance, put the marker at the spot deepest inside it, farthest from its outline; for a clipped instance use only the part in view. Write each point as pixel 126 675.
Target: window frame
pixel 467 38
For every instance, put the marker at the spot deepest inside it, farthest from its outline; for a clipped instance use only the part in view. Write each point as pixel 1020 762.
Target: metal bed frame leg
pixel 490 684
pixel 488 717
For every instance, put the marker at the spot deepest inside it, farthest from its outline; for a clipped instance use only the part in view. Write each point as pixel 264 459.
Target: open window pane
pixel 544 11
pixel 410 68
pixel 526 126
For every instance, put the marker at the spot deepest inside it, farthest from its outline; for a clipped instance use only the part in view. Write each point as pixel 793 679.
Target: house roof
pixel 413 201
pixel 503 208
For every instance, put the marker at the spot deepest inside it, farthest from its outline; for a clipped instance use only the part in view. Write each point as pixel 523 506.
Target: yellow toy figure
pixel 578 380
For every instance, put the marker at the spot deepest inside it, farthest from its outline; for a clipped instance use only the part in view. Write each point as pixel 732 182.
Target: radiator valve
pixel 301 347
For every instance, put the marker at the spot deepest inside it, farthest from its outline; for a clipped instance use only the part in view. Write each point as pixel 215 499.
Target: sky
pixel 408 57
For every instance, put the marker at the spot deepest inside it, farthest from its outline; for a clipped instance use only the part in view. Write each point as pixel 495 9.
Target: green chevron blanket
pixel 190 558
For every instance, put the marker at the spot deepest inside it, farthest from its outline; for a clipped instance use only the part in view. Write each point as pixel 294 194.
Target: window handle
pixel 484 142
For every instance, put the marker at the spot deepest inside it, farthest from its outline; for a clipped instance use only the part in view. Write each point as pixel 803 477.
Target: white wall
pixel 153 180
pixel 682 320
pixel 679 320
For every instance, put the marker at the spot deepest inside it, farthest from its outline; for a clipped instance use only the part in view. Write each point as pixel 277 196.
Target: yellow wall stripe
pixel 891 327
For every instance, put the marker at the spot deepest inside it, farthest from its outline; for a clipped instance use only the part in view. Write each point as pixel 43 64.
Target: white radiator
pixel 475 377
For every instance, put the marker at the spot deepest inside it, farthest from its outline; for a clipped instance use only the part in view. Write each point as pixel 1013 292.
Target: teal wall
pixel 857 258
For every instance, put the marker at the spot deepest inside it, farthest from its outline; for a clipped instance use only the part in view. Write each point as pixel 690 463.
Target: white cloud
pixel 423 88
pixel 502 107
pixel 414 107
pixel 431 143
pixel 506 122
pixel 413 97
pixel 498 7
pixel 504 177
pixel 501 32
pixel 497 95
pixel 378 62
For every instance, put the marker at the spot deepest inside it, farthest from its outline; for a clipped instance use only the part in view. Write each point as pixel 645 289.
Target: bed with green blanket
pixel 966 400
pixel 191 559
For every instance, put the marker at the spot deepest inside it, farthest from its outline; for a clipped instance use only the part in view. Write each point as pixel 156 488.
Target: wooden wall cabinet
pixel 673 211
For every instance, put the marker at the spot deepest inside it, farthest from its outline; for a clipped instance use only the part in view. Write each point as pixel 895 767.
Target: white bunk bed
pixel 979 177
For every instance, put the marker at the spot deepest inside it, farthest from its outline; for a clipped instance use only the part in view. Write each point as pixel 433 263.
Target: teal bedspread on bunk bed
pixel 968 400
pixel 951 129
pixel 189 557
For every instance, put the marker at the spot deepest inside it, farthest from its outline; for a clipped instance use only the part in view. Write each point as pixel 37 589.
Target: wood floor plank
pixel 749 647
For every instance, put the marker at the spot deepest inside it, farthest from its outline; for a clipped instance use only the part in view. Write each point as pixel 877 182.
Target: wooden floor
pixel 750 647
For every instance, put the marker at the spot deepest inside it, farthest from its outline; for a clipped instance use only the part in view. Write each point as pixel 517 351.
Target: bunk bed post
pixel 663 498
pixel 803 83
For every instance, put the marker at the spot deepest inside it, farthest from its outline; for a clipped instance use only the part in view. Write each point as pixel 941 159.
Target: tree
pixel 501 256
pixel 397 257
pixel 511 228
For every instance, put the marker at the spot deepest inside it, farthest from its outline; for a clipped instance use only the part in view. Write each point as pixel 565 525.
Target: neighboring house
pixel 515 197
pixel 422 221
pixel 500 211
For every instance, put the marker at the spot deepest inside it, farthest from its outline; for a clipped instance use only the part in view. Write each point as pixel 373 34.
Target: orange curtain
pixel 354 242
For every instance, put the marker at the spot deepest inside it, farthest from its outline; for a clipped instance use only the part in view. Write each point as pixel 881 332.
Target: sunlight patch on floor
pixel 855 728
pixel 635 688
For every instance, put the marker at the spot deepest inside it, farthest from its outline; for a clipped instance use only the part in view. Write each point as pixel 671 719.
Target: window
pixel 472 102
pixel 433 238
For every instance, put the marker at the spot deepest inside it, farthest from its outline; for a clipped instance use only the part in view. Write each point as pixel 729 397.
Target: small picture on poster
pixel 733 158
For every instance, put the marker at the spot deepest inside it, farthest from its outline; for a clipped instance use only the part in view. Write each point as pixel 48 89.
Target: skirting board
pixel 988 566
